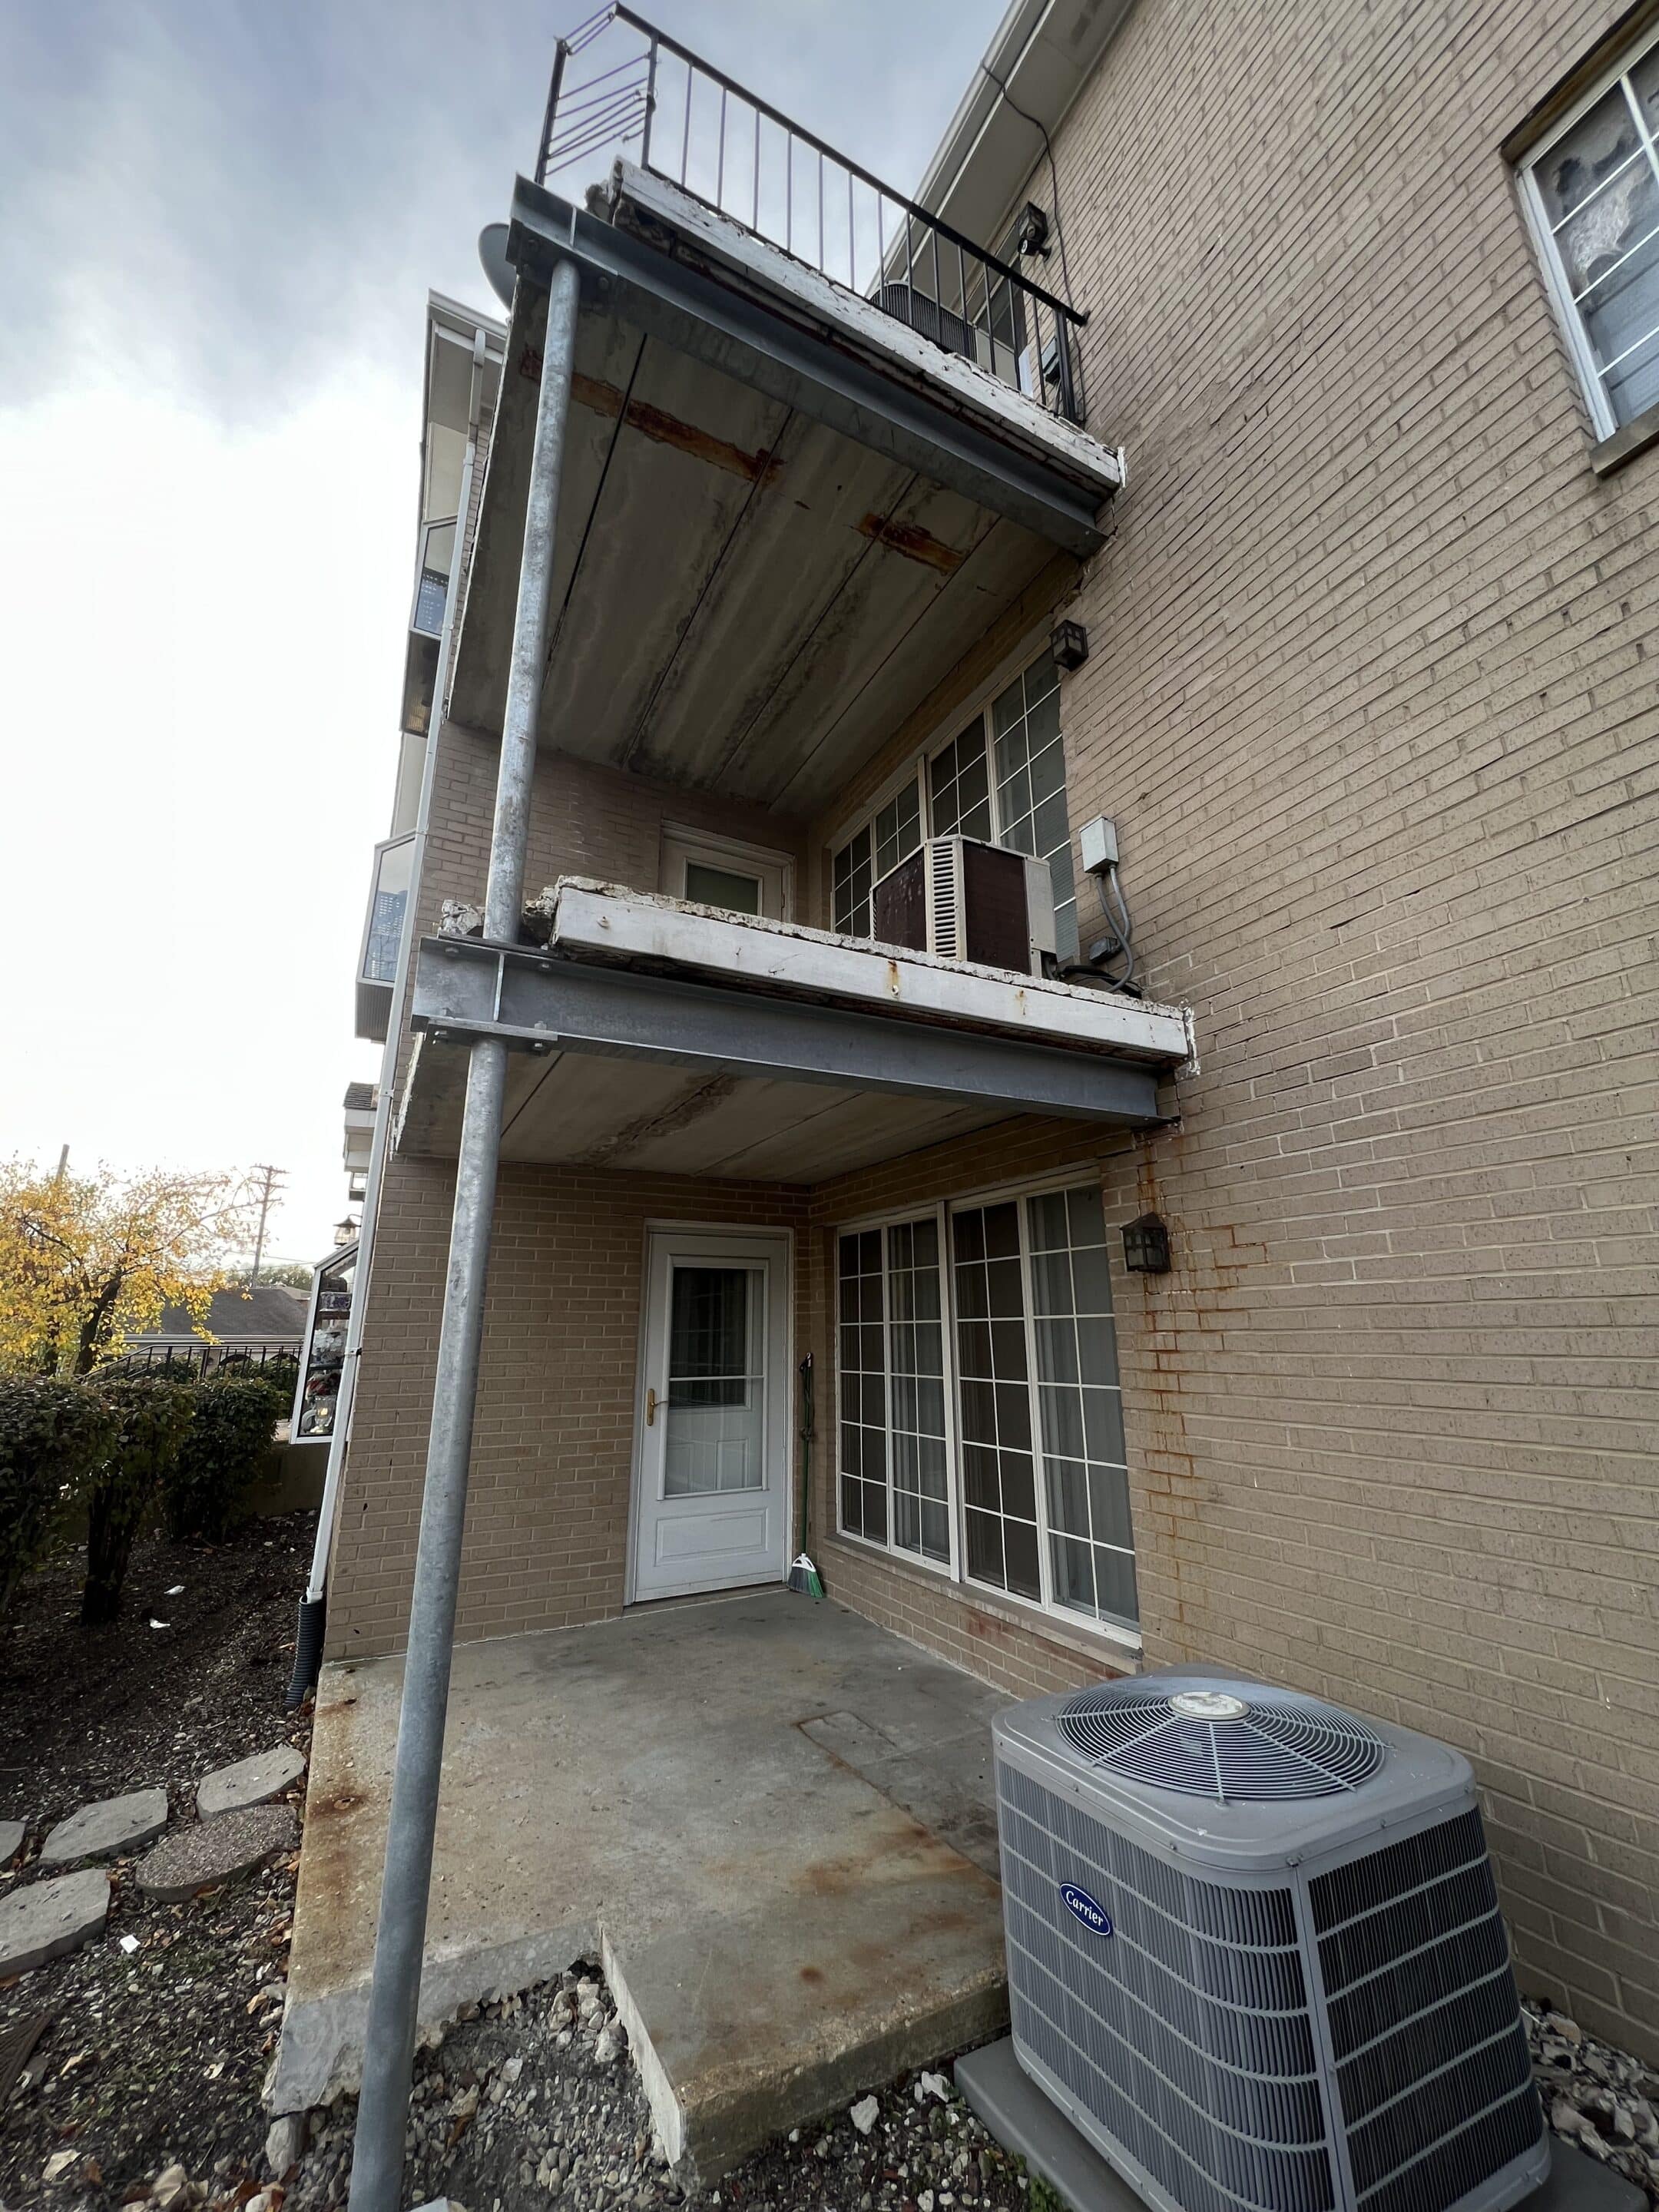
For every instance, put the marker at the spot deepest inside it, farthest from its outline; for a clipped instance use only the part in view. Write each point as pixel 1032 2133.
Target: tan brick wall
pixel 1371 695
pixel 547 1516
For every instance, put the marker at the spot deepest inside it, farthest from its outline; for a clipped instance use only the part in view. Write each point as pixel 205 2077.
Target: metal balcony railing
pixel 696 127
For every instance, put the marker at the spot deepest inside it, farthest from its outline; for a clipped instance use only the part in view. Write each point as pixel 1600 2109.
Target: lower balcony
pixel 659 1036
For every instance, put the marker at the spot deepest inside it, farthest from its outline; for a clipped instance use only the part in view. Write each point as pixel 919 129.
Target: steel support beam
pixel 400 1942
pixel 464 989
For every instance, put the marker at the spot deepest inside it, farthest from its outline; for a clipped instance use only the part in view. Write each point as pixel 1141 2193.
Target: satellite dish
pixel 492 251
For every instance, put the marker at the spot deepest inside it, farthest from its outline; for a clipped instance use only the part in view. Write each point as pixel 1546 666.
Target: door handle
pixel 650 1408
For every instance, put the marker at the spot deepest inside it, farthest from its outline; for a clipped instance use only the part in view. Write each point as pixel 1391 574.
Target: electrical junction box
pixel 1098 842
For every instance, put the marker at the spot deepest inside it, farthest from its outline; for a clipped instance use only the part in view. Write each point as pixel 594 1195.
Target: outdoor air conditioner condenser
pixel 968 900
pixel 1255 1952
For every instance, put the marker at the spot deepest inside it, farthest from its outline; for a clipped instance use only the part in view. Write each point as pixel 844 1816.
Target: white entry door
pixel 712 1494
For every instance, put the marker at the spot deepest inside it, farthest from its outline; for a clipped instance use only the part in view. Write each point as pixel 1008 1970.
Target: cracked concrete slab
pixel 768 1817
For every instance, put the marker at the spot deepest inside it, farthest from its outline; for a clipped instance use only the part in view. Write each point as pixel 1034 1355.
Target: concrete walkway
pixel 774 1821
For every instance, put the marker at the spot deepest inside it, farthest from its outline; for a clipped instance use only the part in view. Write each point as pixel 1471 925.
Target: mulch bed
pixel 155 2054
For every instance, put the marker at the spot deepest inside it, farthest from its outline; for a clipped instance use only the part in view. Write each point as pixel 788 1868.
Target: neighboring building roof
pixel 270 1309
pixel 360 1097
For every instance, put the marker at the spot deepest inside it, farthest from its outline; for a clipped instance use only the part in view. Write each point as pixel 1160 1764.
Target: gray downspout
pixel 389 2041
pixel 313 1610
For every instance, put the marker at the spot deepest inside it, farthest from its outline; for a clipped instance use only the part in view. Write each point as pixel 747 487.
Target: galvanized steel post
pixel 389 2044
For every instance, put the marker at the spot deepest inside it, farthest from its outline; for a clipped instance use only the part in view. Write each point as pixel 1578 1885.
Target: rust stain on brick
pixel 668 430
pixel 915 543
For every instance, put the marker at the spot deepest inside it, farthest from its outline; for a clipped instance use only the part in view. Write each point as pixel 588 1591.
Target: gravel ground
pixel 535 2102
pixel 155 2055
pixel 1597 2097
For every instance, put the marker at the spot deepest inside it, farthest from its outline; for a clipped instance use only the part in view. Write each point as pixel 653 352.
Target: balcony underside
pixel 654 1062
pixel 781 525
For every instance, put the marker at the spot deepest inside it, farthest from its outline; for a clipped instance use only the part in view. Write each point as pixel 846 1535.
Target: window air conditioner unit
pixel 966 901
pixel 1255 1952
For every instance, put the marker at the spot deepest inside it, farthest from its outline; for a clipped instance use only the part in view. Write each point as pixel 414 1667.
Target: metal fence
pixel 198 1360
pixel 696 127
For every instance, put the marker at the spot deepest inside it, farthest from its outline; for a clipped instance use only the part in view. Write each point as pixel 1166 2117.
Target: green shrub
pixel 124 1490
pixel 50 1433
pixel 220 1458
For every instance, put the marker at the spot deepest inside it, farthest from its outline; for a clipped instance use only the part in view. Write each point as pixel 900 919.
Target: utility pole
pixel 63 1166
pixel 271 1187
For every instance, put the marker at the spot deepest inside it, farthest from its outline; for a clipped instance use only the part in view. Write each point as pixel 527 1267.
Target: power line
pixel 270 1186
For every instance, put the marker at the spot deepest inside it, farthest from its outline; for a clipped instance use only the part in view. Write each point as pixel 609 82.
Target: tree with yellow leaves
pixel 86 1261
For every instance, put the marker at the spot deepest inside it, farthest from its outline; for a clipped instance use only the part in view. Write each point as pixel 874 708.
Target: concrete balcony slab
pixel 773 1822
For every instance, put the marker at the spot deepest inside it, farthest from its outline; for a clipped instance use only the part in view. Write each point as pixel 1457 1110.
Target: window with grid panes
pixel 861 1369
pixel 894 1465
pixel 918 1451
pixel 1030 786
pixel 959 786
pixel 1593 193
pixel 892 835
pixel 1045 1486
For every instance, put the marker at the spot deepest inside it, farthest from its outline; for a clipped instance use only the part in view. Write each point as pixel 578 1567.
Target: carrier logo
pixel 1081 1906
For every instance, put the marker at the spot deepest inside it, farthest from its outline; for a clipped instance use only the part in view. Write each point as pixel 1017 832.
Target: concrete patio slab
pixel 773 1822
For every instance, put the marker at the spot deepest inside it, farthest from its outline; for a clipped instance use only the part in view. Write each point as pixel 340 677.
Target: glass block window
pixel 861 1368
pixel 892 835
pixel 959 786
pixel 1592 191
pixel 1030 786
pixel 918 1450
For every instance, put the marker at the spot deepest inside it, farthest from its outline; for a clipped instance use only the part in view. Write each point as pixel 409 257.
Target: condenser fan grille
pixel 1251 1748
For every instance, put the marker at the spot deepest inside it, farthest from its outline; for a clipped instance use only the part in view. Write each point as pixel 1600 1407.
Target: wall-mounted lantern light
pixel 1146 1246
pixel 1068 644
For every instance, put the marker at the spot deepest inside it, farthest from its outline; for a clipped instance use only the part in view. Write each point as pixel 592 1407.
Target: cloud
pixel 221 224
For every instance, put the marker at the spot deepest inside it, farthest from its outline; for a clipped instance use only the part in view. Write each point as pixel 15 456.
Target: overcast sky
pixel 220 224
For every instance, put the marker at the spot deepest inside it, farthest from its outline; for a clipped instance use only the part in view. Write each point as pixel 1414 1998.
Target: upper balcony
pixel 820 443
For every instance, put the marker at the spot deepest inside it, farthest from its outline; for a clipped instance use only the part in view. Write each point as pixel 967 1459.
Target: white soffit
pixel 613 924
pixel 1043 51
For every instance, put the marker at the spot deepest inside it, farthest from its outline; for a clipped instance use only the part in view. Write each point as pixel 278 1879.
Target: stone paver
pixel 113 1824
pixel 12 1833
pixel 51 1918
pixel 249 1781
pixel 215 1850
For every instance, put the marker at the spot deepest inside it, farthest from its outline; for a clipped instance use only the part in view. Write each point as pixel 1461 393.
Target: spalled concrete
pixel 249 1781
pixel 112 1825
pixel 774 1821
pixel 51 1918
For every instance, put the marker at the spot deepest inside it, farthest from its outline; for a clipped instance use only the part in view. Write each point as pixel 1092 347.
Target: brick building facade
pixel 1369 696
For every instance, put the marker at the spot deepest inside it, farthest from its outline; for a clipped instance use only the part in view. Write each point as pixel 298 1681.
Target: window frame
pixel 917 769
pixel 1603 419
pixel 775 870
pixel 896 1217
pixel 1043 1609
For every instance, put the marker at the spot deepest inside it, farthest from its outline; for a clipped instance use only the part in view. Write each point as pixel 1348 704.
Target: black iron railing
pixel 197 1361
pixel 696 127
